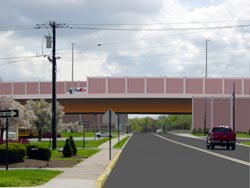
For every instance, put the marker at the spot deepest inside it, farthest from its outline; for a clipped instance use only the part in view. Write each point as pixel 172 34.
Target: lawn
pixel 238 135
pixel 121 143
pixel 246 143
pixel 80 134
pixel 83 153
pixel 15 178
pixel 79 143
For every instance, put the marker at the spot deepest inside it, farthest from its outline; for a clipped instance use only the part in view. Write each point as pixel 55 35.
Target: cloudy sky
pixel 134 38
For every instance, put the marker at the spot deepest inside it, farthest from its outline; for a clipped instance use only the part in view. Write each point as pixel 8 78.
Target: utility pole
pixel 53 25
pixel 54 67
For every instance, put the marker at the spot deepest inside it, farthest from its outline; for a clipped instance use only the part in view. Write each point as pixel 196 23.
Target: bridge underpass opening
pixel 128 106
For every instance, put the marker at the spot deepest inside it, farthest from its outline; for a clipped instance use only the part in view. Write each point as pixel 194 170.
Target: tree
pixel 42 111
pixel 67 149
pixel 25 118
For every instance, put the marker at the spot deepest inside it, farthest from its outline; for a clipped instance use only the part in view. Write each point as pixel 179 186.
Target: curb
pixel 103 177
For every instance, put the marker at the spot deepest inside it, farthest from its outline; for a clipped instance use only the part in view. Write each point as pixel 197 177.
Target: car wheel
pixel 233 146
pixel 212 146
pixel 98 136
pixel 208 146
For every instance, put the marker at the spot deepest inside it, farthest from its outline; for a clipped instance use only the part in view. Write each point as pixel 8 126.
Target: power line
pixel 159 23
pixel 160 55
pixel 158 29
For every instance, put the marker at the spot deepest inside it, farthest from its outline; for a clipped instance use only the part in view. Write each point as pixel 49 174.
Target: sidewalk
pixel 84 174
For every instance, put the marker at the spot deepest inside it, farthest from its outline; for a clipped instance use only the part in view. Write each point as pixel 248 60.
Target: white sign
pixel 114 117
pixel 8 113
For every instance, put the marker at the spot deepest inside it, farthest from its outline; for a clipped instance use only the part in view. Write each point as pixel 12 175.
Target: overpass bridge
pixel 144 95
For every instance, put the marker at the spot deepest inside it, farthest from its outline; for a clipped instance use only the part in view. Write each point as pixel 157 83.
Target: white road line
pixel 206 151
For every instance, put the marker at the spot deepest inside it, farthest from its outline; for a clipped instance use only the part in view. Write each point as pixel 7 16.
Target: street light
pixel 205 101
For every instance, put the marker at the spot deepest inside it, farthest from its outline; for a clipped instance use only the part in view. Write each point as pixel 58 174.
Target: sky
pixel 115 38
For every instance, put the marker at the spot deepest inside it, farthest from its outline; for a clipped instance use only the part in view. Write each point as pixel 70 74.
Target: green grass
pixel 77 134
pixel 21 178
pixel 238 135
pixel 80 134
pixel 243 135
pixel 246 143
pixel 79 143
pixel 84 153
pixel 121 143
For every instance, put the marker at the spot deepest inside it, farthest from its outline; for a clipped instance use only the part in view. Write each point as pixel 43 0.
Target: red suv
pixel 222 136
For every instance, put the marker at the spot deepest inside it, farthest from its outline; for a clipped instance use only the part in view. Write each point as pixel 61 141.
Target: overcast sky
pixel 137 38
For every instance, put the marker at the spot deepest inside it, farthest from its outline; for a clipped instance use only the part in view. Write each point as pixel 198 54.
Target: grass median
pixel 16 178
pixel 121 143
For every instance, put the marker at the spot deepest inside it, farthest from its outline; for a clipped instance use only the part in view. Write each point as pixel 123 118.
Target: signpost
pixel 7 114
pixel 110 117
pixel 83 124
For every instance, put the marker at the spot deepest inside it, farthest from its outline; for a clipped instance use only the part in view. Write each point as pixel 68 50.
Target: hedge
pixel 36 152
pixel 16 152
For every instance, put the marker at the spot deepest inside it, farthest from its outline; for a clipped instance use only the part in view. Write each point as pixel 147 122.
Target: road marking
pixel 206 151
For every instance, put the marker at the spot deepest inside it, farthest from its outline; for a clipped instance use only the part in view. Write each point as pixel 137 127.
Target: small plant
pixel 199 130
pixel 194 131
pixel 67 150
pixel 73 145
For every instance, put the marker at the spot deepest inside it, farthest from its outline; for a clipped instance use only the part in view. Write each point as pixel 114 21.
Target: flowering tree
pixel 42 111
pixel 26 116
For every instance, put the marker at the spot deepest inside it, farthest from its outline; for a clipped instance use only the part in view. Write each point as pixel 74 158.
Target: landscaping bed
pixel 33 163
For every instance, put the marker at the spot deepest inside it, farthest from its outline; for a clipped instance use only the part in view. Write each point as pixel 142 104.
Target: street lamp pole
pixel 205 102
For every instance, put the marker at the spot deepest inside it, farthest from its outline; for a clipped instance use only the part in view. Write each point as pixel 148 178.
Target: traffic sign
pixel 8 113
pixel 114 117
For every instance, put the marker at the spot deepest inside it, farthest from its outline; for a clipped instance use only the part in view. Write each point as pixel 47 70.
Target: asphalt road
pixel 150 161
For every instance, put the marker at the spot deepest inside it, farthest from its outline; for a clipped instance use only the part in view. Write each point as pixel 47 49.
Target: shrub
pixel 35 152
pixel 67 150
pixel 199 130
pixel 73 145
pixel 194 131
pixel 16 152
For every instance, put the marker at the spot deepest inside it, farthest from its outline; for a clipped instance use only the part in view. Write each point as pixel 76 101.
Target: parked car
pixel 102 134
pixel 222 136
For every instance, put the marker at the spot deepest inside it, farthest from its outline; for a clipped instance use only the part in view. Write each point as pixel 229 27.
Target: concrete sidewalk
pixel 85 174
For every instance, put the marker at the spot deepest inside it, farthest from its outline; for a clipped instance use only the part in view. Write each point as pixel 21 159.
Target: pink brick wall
pixel 97 85
pixel 213 86
pixel 6 88
pixel 155 85
pixel 116 85
pixel 247 86
pixel 45 88
pixel 229 86
pixel 220 113
pixel 19 88
pixel 194 85
pixel 174 85
pixel 136 85
pixel 32 88
pixel 60 87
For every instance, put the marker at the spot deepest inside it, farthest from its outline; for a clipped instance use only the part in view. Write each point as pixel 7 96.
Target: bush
pixel 194 131
pixel 67 150
pixel 73 145
pixel 16 152
pixel 35 152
